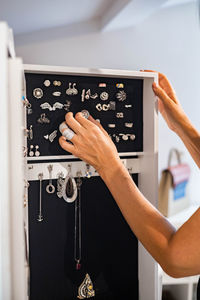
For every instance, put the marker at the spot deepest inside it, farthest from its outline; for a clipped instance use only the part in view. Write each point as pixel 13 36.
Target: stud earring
pixel 38 93
pixel 37 153
pixel 47 83
pixel 31 153
pixel 56 94
pixel 52 136
pixel 121 96
pixel 104 96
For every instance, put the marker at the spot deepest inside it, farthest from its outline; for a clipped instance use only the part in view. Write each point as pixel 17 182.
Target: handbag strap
pixel 177 154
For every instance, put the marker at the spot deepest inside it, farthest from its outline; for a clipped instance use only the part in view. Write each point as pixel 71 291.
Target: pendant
pixel 86 290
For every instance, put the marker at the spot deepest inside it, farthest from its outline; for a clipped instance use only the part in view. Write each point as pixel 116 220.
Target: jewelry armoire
pixel 37 226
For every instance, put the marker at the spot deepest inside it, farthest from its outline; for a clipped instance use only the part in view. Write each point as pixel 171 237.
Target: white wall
pixel 168 41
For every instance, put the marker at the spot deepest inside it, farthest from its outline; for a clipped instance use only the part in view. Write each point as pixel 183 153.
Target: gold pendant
pixel 86 290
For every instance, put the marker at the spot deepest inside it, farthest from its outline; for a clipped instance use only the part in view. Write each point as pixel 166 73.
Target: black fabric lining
pixel 132 87
pixel 109 248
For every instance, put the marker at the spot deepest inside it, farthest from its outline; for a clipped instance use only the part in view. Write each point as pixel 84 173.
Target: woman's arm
pixel 176 251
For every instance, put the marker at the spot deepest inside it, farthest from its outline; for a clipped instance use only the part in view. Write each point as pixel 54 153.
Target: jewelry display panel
pixel 109 248
pixel 116 102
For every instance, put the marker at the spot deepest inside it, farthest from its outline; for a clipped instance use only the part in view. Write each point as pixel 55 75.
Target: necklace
pixel 77 229
pixel 85 290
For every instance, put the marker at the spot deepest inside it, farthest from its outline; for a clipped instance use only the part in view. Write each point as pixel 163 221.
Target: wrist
pixel 186 129
pixel 111 171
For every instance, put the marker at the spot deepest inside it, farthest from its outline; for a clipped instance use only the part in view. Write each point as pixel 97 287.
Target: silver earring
pixel 67 105
pixel 47 83
pixel 50 188
pixel 88 94
pixel 117 138
pixel 57 105
pixel 132 137
pixel 57 83
pixel 56 94
pixel 69 188
pixel 60 182
pixel 124 136
pixel 99 107
pixel 128 105
pixel 31 153
pixel 69 90
pixel 43 119
pixel 30 132
pixel 52 136
pixel 40 217
pixel 104 96
pixel 74 90
pixel 120 115
pixel 83 95
pixel 38 93
pixel 46 105
pixel 112 105
pixel 106 107
pixel 37 153
pixel 128 125
pixel 111 125
pixel 94 96
pixel 121 96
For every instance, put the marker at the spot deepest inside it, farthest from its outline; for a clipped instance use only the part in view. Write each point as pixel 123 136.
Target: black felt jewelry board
pixel 109 248
pixel 132 87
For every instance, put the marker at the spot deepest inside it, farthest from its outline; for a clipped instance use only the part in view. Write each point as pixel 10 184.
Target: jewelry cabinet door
pixel 16 180
pixel 12 258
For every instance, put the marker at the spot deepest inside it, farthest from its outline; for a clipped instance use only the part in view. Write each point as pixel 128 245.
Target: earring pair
pixel 32 152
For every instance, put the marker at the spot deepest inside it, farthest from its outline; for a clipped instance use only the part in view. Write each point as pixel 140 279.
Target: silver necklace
pixel 85 290
pixel 77 228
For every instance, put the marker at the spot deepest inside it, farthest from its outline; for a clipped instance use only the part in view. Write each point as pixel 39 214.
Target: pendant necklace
pixel 85 290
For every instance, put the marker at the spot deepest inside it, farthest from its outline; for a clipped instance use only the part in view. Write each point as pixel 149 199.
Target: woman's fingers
pixel 83 121
pixel 73 124
pixel 66 145
pixel 97 124
pixel 161 94
pixel 165 84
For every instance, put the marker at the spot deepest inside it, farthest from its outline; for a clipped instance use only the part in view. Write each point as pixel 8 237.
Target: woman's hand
pixel 169 105
pixel 90 143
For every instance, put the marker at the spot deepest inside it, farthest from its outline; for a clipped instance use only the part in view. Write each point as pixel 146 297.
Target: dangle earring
pixel 31 153
pixel 40 217
pixel 69 90
pixel 74 90
pixel 69 188
pixel 37 152
pixel 60 182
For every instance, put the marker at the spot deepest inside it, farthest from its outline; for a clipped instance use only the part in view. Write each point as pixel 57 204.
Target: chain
pixel 77 229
